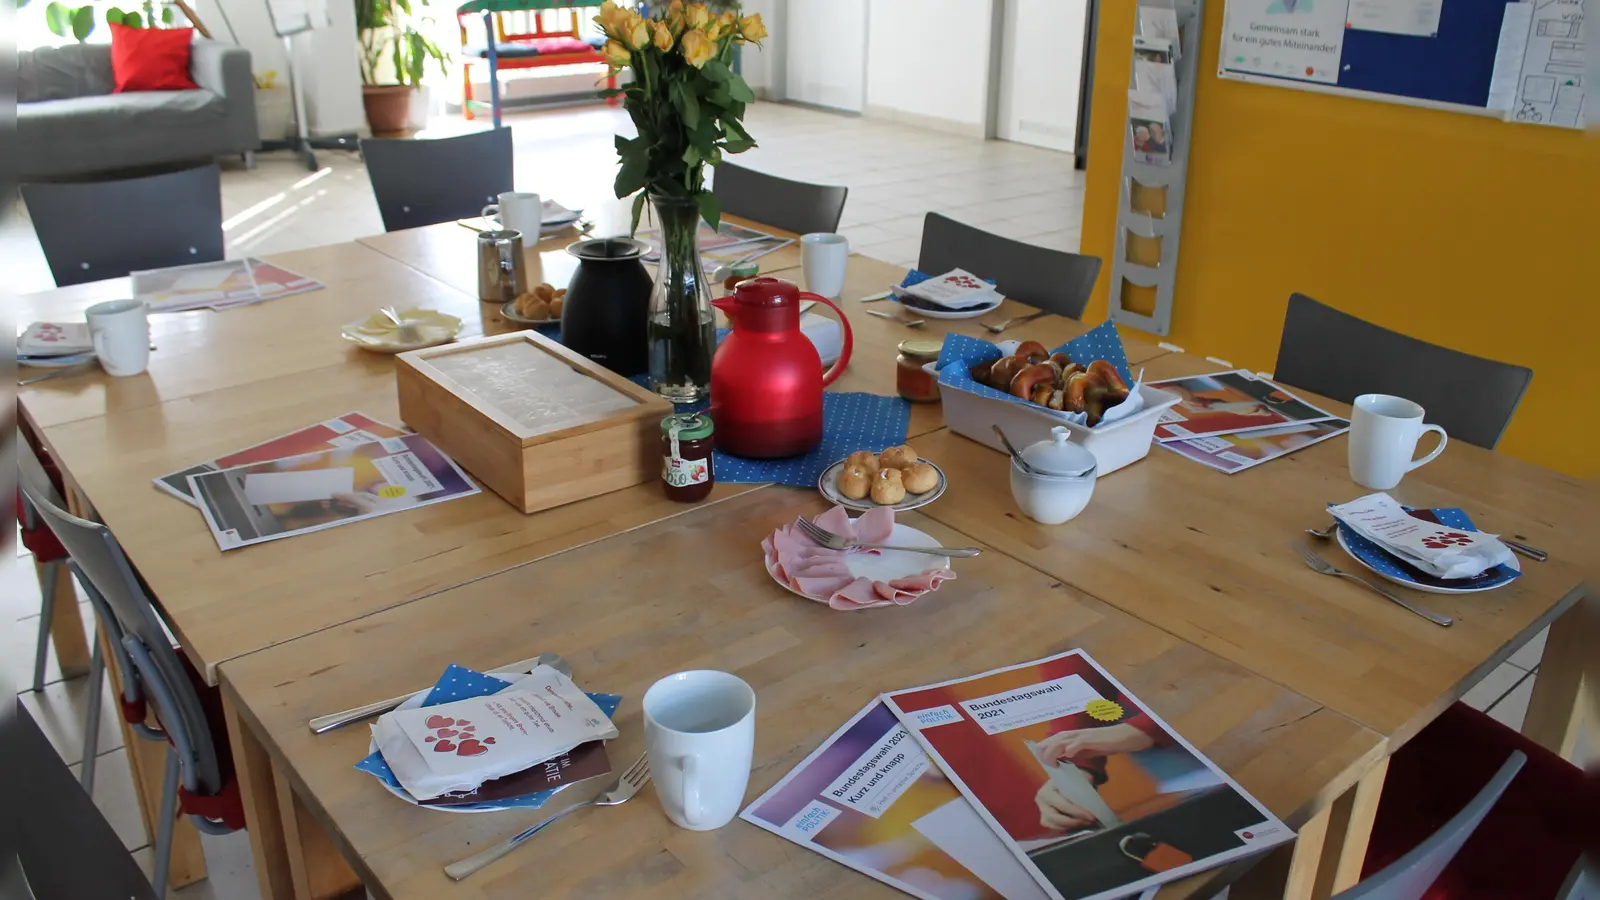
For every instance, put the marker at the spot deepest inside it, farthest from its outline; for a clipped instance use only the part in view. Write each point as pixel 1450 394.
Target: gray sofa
pixel 70 123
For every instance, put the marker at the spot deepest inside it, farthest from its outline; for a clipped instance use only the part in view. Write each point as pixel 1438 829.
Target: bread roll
pixel 866 460
pixel 534 309
pixel 919 478
pixel 887 488
pixel 897 457
pixel 854 482
pixel 545 292
pixel 555 307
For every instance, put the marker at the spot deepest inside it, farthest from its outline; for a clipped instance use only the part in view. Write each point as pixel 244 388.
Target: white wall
pixel 763 67
pixel 326 58
pixel 928 62
pixel 825 43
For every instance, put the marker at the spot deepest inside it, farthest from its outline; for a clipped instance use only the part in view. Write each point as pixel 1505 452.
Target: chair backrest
pixel 110 578
pixel 106 229
pixel 1338 355
pixel 1051 280
pixel 791 205
pixel 1410 876
pixel 424 182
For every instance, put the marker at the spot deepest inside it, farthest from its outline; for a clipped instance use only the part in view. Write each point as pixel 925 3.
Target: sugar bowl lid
pixel 1059 456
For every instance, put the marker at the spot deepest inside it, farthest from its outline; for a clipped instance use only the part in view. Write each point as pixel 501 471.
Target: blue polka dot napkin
pixel 458 683
pixel 1372 554
pixel 961 353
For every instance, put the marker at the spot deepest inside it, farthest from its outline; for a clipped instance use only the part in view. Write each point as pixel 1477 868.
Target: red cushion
pixel 1528 842
pixel 151 59
pixel 558 45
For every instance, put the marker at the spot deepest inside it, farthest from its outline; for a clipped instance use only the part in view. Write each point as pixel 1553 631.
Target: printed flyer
pixel 1232 453
pixel 1229 402
pixel 1092 792
pixel 265 501
pixel 347 430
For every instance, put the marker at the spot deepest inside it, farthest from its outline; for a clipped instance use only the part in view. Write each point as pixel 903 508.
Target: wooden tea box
pixel 533 421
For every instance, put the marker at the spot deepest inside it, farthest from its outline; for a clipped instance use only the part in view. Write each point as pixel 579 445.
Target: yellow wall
pixel 1461 230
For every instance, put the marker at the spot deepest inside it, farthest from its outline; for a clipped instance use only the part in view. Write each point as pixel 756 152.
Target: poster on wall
pixel 1300 39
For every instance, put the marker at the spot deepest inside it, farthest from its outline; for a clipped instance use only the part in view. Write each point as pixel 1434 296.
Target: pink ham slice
pixel 875 525
pixel 824 575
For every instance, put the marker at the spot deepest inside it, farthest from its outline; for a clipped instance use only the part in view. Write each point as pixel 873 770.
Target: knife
pixel 322 724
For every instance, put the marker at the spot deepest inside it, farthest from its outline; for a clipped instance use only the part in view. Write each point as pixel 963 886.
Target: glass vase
pixel 683 332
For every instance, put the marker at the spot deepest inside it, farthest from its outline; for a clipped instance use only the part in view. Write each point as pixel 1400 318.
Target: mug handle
pixel 692 812
pixel 492 211
pixel 1443 439
pixel 839 364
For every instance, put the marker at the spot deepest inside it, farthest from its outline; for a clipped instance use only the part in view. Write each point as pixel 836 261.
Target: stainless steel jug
pixel 502 274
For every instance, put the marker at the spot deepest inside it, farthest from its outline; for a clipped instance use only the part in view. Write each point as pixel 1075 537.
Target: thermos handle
pixel 838 367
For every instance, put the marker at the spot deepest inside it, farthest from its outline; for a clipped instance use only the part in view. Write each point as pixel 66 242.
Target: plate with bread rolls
pixel 896 479
pixel 540 306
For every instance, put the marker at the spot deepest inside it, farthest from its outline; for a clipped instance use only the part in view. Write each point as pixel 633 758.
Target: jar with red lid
pixel 914 382
pixel 686 469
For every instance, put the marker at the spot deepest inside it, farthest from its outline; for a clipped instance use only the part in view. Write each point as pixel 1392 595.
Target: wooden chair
pixel 525 39
pixel 106 229
pixel 1052 280
pixel 424 182
pixel 790 205
pixel 1338 355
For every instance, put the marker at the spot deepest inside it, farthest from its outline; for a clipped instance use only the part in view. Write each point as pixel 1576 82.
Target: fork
pixel 909 323
pixel 839 542
pixel 1531 552
pixel 1016 320
pixel 409 333
pixel 1318 564
pixel 615 794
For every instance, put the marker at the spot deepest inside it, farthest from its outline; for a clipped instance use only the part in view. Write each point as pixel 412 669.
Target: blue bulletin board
pixel 1451 69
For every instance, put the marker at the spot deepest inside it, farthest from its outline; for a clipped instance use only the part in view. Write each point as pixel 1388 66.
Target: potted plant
pixel 391 42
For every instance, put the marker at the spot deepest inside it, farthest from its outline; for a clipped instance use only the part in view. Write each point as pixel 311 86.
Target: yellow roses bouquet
pixel 685 99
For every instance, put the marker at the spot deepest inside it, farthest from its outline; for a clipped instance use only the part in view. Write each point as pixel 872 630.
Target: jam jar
pixel 739 272
pixel 686 474
pixel 913 381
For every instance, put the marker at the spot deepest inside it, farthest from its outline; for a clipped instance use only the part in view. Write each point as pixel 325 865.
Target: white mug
pixel 1384 431
pixel 700 730
pixel 518 211
pixel 120 330
pixel 823 258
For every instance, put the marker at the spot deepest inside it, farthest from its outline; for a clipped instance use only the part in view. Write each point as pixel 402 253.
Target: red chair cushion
pixel 151 59
pixel 1528 842
pixel 38 538
pixel 551 45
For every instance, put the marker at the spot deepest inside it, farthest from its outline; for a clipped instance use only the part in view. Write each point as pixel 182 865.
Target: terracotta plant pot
pixel 388 107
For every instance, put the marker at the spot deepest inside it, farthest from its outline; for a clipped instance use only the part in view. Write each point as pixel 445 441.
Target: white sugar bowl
pixel 1062 480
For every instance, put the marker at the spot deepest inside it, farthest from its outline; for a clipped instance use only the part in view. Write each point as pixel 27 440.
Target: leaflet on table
pixel 1232 453
pixel 870 798
pixel 1229 403
pixel 265 501
pixel 743 252
pixel 347 430
pixel 218 285
pixel 720 242
pixel 1089 790
pixel 50 339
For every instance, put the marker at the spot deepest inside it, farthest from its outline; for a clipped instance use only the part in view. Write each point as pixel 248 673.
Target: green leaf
pixel 735 130
pixel 687 105
pixel 21 3
pixel 82 22
pixel 167 17
pixel 717 70
pixel 114 16
pixel 631 177
pixel 720 95
pixel 58 18
pixel 132 20
pixel 741 91
pixel 737 145
pixel 691 156
pixel 638 207
pixel 710 209
pixel 623 145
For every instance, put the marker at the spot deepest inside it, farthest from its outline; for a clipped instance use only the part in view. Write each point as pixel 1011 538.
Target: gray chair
pixel 1410 876
pixel 790 205
pixel 424 182
pixel 1337 355
pixel 151 670
pixel 1052 280
pixel 106 229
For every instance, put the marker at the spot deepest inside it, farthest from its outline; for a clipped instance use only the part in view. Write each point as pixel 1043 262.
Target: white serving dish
pixel 1114 444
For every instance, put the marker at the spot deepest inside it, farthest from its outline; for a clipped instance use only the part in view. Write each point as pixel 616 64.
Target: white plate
pixel 509 310
pixel 972 313
pixel 886 565
pixel 1338 534
pixel 828 485
pixel 437 329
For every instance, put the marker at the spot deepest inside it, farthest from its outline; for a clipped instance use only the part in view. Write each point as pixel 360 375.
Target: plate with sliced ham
pixel 856 579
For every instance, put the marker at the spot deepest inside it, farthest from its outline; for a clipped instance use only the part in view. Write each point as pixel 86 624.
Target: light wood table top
pixel 1208 557
pixel 691 592
pixel 448 251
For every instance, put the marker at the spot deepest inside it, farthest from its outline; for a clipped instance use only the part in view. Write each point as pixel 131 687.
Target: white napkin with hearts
pixel 1439 550
pixel 457 746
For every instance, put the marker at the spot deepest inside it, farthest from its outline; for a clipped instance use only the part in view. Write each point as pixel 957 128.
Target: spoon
pixel 1016 456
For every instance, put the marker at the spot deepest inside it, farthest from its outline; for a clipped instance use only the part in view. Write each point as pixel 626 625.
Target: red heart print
pixel 430 739
pixel 471 747
pixel 462 722
pixel 469 729
pixel 447 732
pixel 444 746
pixel 440 721
pixel 488 740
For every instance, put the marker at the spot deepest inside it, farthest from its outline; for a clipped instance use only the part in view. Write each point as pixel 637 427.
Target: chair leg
pixel 249 159
pixel 165 824
pixel 466 91
pixel 91 718
pixel 47 612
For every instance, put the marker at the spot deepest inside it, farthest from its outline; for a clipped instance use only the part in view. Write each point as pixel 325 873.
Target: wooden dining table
pixel 256 618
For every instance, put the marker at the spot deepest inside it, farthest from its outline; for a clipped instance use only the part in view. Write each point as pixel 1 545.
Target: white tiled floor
pixel 895 174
